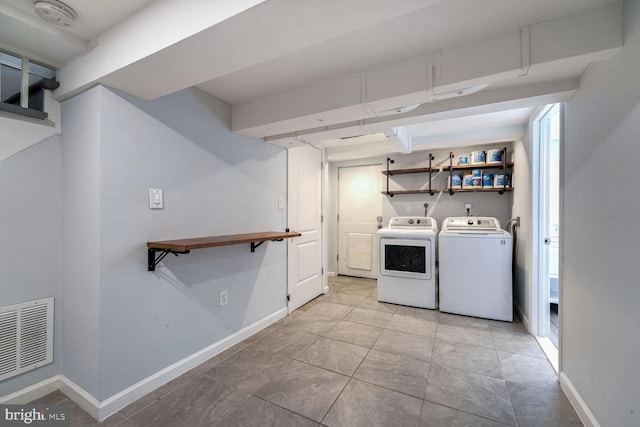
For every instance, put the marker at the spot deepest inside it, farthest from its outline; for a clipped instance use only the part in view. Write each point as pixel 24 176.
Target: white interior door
pixel 359 206
pixel 304 216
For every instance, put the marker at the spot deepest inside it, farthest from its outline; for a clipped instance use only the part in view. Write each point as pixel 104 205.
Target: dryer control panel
pixel 410 221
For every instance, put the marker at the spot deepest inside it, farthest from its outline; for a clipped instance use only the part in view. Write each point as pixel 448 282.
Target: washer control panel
pixel 471 223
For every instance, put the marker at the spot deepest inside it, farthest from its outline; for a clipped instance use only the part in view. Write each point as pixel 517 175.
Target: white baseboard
pixel 118 401
pixel 33 392
pixel 331 274
pixel 80 397
pixel 581 408
pixel 102 410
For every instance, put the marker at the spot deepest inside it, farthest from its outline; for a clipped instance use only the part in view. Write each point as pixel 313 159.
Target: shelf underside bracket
pixel 254 245
pixel 153 260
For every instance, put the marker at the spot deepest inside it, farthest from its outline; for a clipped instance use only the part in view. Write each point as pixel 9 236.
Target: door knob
pixel 379 226
pixel 547 241
pixel 379 218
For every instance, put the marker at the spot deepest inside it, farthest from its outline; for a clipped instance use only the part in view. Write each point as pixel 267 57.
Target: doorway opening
pixel 549 141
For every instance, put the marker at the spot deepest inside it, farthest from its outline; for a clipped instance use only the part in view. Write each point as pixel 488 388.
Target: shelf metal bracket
pixel 431 193
pixel 389 161
pixel 451 173
pixel 153 260
pixel 504 171
pixel 254 245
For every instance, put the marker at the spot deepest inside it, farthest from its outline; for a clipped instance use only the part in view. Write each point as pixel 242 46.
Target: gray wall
pixel 30 218
pixel 441 206
pixel 214 183
pixel 81 240
pixel 601 288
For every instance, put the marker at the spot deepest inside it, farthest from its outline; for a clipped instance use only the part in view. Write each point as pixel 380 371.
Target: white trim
pixel 581 408
pixel 534 274
pixel 32 392
pixel 323 224
pixel 332 274
pixel 561 237
pixel 549 350
pixel 80 397
pixel 102 410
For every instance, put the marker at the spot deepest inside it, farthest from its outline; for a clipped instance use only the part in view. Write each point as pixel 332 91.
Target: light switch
pixel 280 202
pixel 156 198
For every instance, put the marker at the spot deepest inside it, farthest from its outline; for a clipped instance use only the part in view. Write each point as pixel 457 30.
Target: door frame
pixel 539 300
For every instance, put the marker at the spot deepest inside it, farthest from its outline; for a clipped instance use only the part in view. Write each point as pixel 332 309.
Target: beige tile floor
pixel 345 359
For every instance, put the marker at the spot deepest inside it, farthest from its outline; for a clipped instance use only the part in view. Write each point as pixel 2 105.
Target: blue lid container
pixel 494 156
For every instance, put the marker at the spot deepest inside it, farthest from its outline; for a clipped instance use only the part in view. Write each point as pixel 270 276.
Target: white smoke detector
pixel 55 12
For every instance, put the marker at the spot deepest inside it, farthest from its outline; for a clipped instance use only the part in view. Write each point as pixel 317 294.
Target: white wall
pixel 601 291
pixel 30 232
pixel 440 207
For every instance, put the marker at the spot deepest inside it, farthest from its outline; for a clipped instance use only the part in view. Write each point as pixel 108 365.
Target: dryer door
pixel 406 257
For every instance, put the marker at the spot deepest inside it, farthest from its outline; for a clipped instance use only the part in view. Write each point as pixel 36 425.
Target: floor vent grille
pixel 26 337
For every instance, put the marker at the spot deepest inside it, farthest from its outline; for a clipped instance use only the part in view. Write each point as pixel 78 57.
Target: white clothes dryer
pixel 407 250
pixel 475 268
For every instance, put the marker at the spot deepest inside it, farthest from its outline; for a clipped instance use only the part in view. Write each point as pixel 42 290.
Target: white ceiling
pixel 22 31
pixel 300 44
pixel 443 24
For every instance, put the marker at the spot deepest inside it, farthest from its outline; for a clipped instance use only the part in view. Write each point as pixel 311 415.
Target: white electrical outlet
pixel 409 209
pixel 224 297
pixel 280 202
pixel 467 206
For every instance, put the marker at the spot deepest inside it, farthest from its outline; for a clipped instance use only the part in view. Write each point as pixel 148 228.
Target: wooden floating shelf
pixel 455 190
pixel 480 190
pixel 407 171
pixel 184 246
pixel 391 193
pixel 481 166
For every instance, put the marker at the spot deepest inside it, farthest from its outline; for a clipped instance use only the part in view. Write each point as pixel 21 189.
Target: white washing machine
pixel 475 268
pixel 407 250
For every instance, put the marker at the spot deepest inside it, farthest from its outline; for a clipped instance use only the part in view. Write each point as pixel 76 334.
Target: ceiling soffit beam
pixel 503 134
pixel 401 139
pixel 488 101
pixel 474 137
pixel 142 35
pixel 209 39
pixel 582 38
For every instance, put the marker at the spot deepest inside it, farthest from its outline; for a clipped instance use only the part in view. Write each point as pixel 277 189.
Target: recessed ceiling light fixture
pixel 55 12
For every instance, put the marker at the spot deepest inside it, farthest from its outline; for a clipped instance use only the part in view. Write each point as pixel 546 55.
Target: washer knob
pixel 410 221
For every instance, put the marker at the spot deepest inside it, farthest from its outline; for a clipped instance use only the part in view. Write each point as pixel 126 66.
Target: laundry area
pixel 425 232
